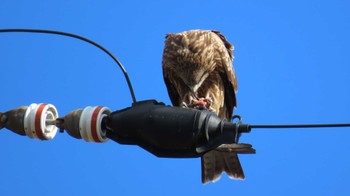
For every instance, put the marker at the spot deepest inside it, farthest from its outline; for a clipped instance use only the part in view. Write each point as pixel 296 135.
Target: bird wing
pixel 224 65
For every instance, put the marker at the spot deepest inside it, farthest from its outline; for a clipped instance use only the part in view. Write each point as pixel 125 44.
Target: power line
pixel 281 126
pixel 80 38
pixel 247 127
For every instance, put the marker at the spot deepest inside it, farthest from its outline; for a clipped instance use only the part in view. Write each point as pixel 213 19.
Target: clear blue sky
pixel 292 62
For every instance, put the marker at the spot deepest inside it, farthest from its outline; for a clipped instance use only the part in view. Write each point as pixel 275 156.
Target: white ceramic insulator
pixel 90 124
pixel 35 118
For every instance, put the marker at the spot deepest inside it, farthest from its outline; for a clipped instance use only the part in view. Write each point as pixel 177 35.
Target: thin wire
pixel 248 127
pixel 300 126
pixel 83 39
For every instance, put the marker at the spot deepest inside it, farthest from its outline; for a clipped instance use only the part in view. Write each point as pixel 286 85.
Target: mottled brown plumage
pixel 198 64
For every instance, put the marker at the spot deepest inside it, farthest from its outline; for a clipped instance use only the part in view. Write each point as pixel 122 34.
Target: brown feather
pixel 198 63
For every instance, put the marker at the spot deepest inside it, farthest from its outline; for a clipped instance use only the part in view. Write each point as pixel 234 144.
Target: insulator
pixel 86 123
pixel 90 124
pixel 35 121
pixel 39 121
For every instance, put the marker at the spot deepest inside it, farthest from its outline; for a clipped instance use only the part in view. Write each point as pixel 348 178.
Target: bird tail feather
pixel 215 162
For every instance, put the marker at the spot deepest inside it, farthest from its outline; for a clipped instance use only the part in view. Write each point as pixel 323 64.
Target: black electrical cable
pixel 246 128
pixel 299 126
pixel 81 38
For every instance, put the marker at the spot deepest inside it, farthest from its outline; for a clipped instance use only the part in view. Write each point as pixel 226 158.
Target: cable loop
pixel 238 123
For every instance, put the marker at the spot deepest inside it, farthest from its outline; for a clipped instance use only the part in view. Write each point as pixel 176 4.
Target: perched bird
pixel 198 73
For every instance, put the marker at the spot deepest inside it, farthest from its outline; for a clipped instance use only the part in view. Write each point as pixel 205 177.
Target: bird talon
pixel 184 105
pixel 211 109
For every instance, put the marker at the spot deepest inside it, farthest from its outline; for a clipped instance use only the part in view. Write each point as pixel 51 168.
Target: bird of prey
pixel 198 73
